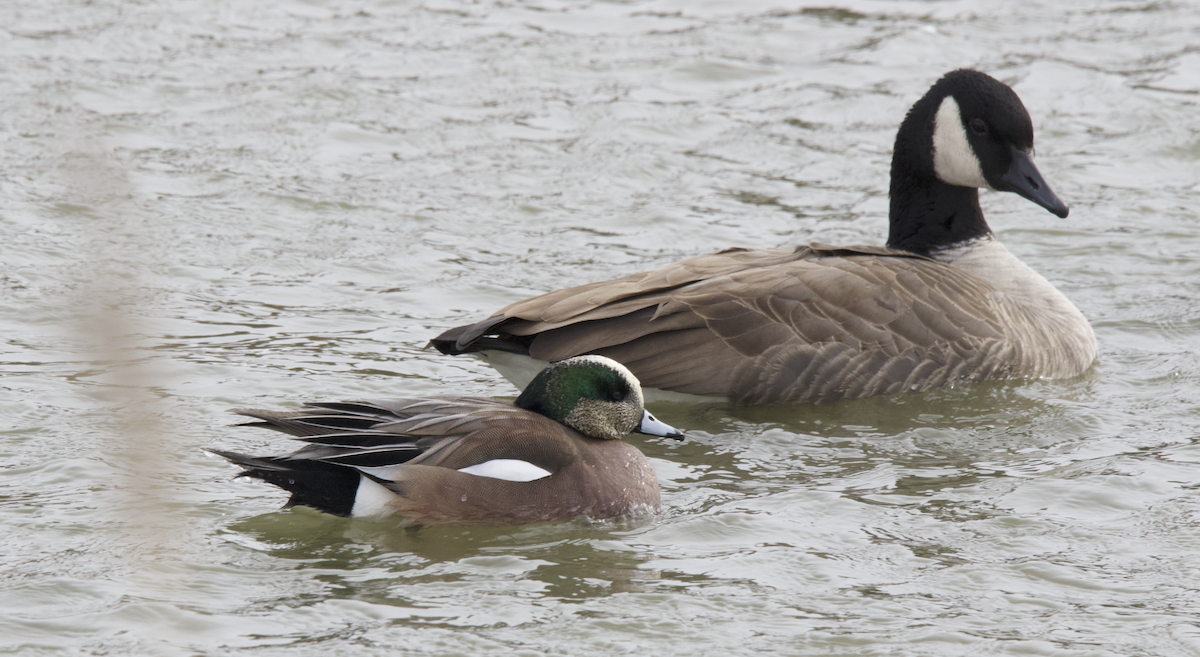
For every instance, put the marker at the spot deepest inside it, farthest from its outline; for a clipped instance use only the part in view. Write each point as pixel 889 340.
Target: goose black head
pixel 968 131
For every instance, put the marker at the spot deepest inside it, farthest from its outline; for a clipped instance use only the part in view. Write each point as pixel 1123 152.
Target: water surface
pixel 211 205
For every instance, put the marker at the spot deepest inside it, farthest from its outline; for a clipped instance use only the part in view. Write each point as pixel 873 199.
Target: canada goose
pixel 553 454
pixel 943 302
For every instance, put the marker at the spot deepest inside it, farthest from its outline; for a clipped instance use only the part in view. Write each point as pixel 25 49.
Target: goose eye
pixel 979 127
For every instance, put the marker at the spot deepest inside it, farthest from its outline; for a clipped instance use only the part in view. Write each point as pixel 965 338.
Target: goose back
pixel 815 323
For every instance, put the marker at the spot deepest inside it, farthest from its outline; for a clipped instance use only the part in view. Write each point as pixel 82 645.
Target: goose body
pixel 554 454
pixel 943 302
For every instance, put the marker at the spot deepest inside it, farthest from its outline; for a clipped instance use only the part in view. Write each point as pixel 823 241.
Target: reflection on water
pixel 217 205
pixel 380 561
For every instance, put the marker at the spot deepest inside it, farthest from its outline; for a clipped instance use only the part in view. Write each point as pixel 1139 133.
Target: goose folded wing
pixel 812 328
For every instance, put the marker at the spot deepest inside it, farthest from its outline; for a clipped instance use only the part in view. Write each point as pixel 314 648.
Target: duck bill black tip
pixel 652 426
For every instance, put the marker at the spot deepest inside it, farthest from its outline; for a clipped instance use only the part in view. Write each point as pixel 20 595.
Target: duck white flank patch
pixel 507 469
pixel 371 499
pixel 954 161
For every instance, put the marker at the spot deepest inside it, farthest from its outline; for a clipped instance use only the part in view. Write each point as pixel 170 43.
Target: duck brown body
pixel 554 454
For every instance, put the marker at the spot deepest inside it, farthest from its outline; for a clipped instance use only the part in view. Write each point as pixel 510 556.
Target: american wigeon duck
pixel 553 454
pixel 943 302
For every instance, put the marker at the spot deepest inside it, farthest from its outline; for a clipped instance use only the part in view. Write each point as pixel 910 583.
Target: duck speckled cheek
pixel 601 419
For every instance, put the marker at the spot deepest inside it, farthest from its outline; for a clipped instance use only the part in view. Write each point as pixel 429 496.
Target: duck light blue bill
pixel 655 427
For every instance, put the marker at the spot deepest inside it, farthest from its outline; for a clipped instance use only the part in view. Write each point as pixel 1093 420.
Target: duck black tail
pixel 323 486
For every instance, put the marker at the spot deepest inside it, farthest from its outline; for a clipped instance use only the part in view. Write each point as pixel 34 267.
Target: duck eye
pixel 618 395
pixel 978 126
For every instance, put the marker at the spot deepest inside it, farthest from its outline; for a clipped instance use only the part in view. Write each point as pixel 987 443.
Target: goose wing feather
pixel 816 323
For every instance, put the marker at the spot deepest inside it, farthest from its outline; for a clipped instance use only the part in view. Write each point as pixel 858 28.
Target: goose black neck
pixel 927 214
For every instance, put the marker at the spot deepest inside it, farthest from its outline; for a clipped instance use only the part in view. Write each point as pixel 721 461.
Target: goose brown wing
pixel 817 323
pixel 602 300
pixel 846 327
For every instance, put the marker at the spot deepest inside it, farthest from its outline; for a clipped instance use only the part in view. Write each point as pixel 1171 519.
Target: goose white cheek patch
pixel 507 469
pixel 954 161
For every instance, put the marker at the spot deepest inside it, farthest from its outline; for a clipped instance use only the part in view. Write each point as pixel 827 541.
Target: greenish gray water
pixel 218 204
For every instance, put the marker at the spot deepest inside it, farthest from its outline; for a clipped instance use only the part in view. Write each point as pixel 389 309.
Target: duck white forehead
pixel 605 361
pixel 954 161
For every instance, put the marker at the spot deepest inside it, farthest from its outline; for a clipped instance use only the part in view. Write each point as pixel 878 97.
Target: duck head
pixel 594 395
